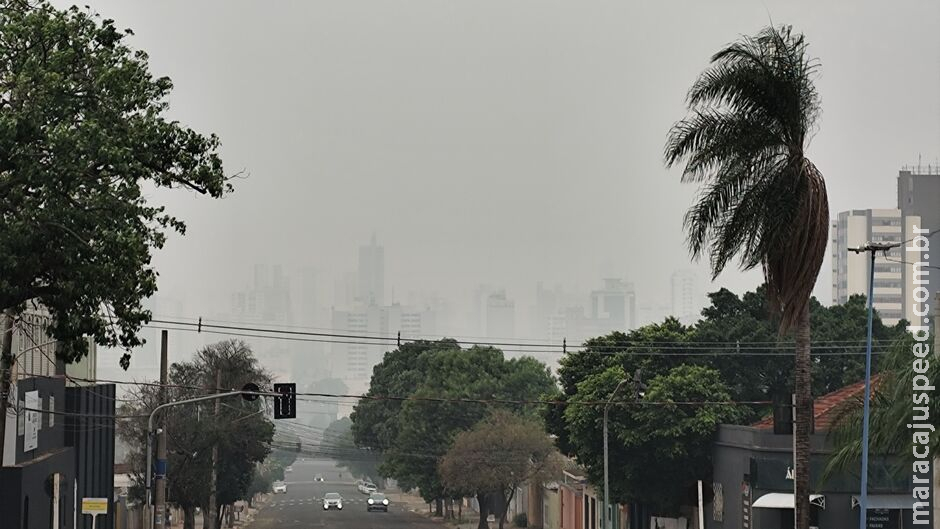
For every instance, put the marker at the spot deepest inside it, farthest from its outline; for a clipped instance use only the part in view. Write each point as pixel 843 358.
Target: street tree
pixel 751 115
pixel 496 457
pixel 660 444
pixel 83 134
pixel 424 393
pixel 240 433
pixel 338 443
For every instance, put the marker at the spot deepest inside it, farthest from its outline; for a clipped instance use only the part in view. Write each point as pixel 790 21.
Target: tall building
pixel 613 307
pixel 687 297
pixel 359 356
pixel 372 274
pixel 919 196
pixel 500 316
pixel 893 295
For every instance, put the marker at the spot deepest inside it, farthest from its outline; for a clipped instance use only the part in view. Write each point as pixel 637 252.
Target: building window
pixel 51 411
pixel 21 418
pixel 718 502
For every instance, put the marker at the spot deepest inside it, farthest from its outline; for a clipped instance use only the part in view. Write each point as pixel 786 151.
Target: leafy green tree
pixel 655 427
pixel 339 444
pixel 496 457
pixel 438 390
pixel 240 432
pixel 751 115
pixel 82 134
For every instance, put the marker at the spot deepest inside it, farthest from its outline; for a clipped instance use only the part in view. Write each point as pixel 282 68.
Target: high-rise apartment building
pixel 371 274
pixel 919 196
pixel 687 297
pixel 361 355
pixel 893 298
pixel 613 308
pixel 500 316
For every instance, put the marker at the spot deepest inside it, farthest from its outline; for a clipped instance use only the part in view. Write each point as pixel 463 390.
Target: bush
pixel 520 520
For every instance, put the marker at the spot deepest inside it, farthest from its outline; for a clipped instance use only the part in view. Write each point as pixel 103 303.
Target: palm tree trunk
pixel 804 420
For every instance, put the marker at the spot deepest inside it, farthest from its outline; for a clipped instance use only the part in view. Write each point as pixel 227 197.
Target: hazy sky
pixel 497 141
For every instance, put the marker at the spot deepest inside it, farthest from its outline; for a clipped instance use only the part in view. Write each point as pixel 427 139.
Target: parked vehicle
pixel 289 469
pixel 332 500
pixel 377 502
pixel 280 487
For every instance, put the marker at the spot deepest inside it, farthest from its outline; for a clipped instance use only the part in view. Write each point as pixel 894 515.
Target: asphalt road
pixel 302 505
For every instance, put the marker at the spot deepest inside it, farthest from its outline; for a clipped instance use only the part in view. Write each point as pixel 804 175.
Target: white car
pixel 289 469
pixel 280 487
pixel 332 500
pixel 366 487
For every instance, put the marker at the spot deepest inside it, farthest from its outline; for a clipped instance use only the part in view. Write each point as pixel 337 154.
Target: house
pixel 753 475
pixel 56 445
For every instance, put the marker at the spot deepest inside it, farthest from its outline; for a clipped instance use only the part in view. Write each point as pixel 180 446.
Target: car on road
pixel 280 487
pixel 332 500
pixel 367 487
pixel 318 477
pixel 289 469
pixel 377 502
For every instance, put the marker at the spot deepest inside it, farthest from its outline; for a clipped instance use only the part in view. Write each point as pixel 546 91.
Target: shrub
pixel 520 520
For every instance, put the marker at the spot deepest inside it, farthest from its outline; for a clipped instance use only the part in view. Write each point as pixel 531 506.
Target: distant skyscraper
pixel 372 274
pixel 893 295
pixel 614 306
pixel 500 316
pixel 687 297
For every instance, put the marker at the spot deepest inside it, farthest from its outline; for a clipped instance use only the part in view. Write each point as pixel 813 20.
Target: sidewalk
pixel 416 504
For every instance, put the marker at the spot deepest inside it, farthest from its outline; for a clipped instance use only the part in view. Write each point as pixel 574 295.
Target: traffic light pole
pixel 150 432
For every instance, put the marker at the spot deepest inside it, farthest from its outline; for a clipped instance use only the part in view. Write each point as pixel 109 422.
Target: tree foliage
pixel 751 115
pixel 82 137
pixel 240 431
pixel 338 443
pixel 496 457
pixel 891 411
pixel 737 343
pixel 414 433
pixel 658 451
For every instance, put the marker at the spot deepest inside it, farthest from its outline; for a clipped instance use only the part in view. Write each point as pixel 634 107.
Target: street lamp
pixel 638 386
pixel 872 248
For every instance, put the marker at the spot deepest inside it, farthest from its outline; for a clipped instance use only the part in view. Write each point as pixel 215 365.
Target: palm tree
pixel 751 114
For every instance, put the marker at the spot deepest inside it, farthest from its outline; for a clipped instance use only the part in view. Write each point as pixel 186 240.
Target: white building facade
pixel 893 296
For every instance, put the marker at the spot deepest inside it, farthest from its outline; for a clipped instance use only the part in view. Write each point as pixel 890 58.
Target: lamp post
pixel 639 386
pixel 606 475
pixel 872 249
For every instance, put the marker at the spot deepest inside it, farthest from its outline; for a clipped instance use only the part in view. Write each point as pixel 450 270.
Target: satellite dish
pixel 252 390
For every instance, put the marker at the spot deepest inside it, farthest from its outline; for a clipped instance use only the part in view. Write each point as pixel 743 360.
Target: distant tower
pixel 372 274
pixel 687 297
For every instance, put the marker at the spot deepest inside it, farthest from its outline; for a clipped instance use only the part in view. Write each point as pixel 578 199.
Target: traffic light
pixel 252 390
pixel 285 404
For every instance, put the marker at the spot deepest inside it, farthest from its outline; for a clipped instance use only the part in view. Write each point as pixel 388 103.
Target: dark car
pixel 377 502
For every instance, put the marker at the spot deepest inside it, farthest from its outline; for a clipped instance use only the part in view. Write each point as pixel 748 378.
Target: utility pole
pixel 871 248
pixel 159 503
pixel 604 520
pixel 6 375
pixel 213 510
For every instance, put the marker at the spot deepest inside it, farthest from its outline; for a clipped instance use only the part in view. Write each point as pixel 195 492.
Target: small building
pixel 753 476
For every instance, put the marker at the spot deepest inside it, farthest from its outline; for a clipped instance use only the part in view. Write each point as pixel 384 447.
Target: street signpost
pixel 94 507
pixel 31 438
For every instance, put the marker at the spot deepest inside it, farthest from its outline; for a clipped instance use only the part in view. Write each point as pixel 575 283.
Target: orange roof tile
pixel 826 409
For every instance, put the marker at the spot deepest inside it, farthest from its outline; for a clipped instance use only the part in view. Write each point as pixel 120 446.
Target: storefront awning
pixel 785 500
pixel 886 501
